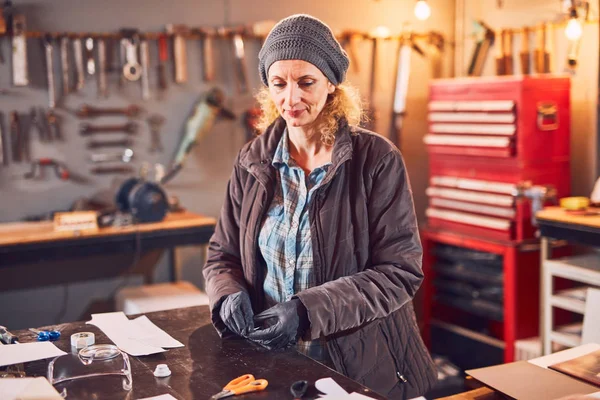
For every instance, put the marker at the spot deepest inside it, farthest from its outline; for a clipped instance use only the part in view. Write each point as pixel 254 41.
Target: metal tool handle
pixel 179 47
pixel 49 51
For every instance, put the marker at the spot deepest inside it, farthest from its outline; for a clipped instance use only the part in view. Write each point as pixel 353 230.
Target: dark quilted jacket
pixel 367 257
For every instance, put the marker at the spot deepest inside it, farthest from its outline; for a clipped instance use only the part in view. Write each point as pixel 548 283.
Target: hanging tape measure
pixel 82 339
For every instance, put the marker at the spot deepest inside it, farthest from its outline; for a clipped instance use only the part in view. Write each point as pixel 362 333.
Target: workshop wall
pixel 201 184
pixel 585 164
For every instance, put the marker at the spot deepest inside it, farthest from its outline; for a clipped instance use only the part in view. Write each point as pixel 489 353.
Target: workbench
pixel 37 242
pixel 200 369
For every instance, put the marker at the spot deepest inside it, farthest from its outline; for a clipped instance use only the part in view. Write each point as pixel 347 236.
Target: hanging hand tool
pixel 163 57
pixel 52 122
pixel 155 121
pixel 240 385
pixel 239 54
pixel 507 44
pixel 90 64
pixel 250 121
pixel 482 47
pixel 538 52
pixel 123 156
pixel 132 71
pixel 572 55
pixel 36 120
pixel 145 60
pixel 88 129
pixel 119 169
pixel 261 29
pixel 20 74
pixel 372 113
pixel 49 51
pixel 197 126
pixel 208 62
pixel 96 144
pixel 349 42
pixel 405 47
pixel 434 54
pixel 78 55
pixel 3 143
pixel 16 136
pixel 64 64
pixel 524 56
pixel 548 47
pixel 179 51
pixel 499 52
pixel 87 111
pixel 102 85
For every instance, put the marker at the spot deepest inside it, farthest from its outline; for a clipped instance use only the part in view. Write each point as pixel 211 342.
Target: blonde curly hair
pixel 344 102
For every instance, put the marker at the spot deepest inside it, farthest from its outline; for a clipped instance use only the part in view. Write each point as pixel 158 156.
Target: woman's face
pixel 299 90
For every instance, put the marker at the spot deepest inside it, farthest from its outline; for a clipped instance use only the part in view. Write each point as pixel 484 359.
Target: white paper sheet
pixel 137 337
pixel 333 391
pixel 27 389
pixel 24 352
pixel 565 355
pixel 161 397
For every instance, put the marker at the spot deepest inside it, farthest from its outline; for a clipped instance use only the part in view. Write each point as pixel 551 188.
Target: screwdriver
pixel 6 337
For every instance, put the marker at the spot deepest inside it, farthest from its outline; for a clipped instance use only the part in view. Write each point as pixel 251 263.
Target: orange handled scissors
pixel 242 384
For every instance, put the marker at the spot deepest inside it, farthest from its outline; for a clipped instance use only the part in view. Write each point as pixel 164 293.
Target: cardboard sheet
pixel 525 381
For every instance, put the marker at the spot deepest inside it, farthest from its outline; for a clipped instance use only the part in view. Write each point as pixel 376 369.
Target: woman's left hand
pixel 290 319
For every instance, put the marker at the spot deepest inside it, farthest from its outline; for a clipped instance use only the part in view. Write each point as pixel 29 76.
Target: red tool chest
pixel 486 137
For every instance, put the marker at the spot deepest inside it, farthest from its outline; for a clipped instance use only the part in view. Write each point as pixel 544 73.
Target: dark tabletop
pixel 199 369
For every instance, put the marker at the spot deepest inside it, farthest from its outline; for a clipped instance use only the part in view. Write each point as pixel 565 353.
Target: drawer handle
pixel 547 116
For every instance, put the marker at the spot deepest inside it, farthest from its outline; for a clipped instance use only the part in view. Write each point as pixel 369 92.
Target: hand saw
pixel 481 50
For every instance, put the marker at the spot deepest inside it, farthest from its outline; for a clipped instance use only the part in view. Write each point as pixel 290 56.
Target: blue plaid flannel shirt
pixel 285 239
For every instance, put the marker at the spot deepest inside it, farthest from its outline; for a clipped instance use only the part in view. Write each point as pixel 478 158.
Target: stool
pixel 158 297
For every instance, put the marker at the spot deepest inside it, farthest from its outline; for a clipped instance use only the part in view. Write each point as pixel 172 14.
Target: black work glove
pixel 289 320
pixel 236 313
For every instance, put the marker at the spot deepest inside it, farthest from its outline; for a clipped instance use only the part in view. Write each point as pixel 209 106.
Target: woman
pixel 318 234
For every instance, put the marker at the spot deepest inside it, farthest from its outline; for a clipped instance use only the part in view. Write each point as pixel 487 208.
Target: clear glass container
pixel 95 361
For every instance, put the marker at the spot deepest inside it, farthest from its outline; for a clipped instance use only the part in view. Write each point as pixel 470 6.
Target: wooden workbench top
pixel 32 232
pixel 557 214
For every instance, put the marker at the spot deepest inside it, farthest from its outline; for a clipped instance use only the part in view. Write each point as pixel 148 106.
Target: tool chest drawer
pixel 523 119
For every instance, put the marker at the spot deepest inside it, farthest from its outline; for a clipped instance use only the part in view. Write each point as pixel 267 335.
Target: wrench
pixel 87 111
pixel 78 52
pixel 50 70
pixel 120 169
pixel 89 129
pixel 124 156
pixel 132 69
pixel 64 63
pixel 95 144
pixel 155 121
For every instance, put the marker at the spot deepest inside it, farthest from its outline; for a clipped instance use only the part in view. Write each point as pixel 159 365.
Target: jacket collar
pixel 258 155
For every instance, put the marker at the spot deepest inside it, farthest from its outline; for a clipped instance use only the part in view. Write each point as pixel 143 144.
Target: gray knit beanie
pixel 303 37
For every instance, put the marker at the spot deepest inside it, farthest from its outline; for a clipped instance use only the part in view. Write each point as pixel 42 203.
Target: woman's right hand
pixel 236 313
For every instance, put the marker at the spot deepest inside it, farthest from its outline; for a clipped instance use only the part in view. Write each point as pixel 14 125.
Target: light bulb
pixel 422 10
pixel 573 30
